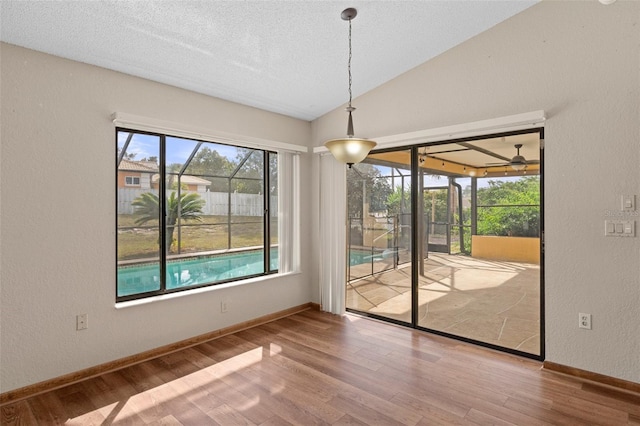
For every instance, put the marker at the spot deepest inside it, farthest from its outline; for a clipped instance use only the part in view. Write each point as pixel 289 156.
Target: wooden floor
pixel 316 368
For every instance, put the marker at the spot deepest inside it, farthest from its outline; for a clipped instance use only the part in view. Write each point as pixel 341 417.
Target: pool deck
pixel 191 255
pixel 491 301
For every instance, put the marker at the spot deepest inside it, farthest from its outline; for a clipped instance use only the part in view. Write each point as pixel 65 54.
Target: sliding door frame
pixel 416 233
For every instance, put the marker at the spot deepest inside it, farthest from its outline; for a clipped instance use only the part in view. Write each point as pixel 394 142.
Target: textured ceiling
pixel 288 57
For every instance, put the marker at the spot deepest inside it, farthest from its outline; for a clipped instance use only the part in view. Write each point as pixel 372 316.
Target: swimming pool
pixel 358 257
pixel 143 278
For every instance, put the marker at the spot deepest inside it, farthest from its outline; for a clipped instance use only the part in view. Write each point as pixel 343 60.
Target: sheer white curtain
pixel 333 210
pixel 288 212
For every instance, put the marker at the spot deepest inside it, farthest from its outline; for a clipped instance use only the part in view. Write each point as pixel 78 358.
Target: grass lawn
pixel 135 242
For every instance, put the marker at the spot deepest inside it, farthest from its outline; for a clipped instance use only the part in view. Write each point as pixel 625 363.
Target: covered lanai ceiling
pixel 288 57
pixel 491 156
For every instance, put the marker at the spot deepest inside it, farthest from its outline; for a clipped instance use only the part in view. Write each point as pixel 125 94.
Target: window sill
pixel 185 293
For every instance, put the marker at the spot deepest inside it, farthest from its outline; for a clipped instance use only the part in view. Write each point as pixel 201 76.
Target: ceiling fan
pixel 518 162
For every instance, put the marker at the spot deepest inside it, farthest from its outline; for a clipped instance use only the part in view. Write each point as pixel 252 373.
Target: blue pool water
pixel 137 279
pixel 357 257
pixel 144 278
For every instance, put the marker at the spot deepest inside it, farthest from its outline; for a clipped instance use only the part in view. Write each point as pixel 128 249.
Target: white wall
pixel 580 62
pixel 58 258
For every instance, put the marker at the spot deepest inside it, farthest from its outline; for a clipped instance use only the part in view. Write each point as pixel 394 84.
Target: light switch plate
pixel 628 203
pixel 620 228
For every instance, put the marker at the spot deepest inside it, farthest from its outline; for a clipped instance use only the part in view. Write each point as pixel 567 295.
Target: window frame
pixel 162 226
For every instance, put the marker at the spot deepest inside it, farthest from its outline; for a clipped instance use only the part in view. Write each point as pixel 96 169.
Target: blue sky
pixel 178 150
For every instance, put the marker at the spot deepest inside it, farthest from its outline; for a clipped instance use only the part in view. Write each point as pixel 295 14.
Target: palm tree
pixel 188 208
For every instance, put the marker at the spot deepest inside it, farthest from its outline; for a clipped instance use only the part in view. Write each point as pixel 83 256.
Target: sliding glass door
pixel 475 220
pixel 379 217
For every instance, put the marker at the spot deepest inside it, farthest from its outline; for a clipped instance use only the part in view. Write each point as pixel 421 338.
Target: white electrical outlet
pixel 584 321
pixel 82 322
pixel 224 306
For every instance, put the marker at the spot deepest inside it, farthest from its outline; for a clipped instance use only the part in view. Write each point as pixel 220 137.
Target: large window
pixel 202 213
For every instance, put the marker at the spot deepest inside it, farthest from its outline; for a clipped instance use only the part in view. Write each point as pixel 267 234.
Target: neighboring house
pixel 143 175
pixel 190 183
pixel 136 174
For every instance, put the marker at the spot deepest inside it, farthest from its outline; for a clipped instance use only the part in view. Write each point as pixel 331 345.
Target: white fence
pixel 217 203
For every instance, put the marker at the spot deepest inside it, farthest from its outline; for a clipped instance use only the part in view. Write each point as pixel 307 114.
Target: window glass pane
pixel 509 206
pixel 178 152
pixel 186 223
pixel 250 163
pixel 460 230
pixel 247 200
pixel 213 160
pixel 379 214
pixel 138 229
pixel 378 200
pixel 214 213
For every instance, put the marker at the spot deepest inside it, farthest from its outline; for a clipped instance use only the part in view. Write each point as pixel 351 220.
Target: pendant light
pixel 350 150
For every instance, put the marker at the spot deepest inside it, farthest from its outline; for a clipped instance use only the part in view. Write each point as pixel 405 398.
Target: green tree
pixel 249 177
pixel 212 166
pixel 147 209
pixel 435 205
pixel 365 180
pixel 521 220
pixel 399 201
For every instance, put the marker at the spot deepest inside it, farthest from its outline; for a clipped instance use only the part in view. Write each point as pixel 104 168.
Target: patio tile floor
pixel 492 301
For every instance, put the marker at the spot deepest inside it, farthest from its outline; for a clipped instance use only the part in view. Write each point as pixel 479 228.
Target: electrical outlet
pixel 82 322
pixel 224 306
pixel 584 321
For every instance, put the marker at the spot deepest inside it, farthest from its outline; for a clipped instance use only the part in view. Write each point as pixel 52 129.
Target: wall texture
pixel 580 62
pixel 57 239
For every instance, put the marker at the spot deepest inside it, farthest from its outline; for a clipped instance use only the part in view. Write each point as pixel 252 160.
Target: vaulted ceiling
pixel 288 57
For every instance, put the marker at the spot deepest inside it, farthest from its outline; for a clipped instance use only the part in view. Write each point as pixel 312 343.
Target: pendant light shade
pixel 350 150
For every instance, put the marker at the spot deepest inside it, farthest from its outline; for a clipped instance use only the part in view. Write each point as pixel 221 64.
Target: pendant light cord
pixel 350 109
pixel 349 66
pixel 350 150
